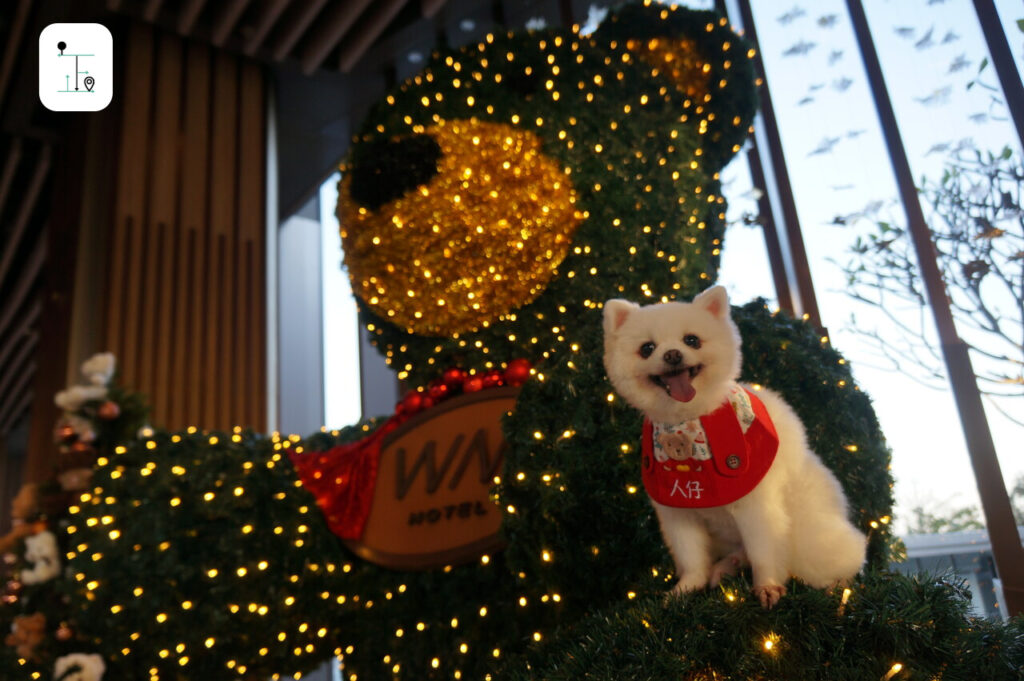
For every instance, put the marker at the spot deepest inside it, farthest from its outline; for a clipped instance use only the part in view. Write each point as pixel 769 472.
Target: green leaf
pixel 1020 25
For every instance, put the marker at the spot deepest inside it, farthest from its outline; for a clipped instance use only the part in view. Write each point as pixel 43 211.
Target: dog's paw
pixel 769 594
pixel 838 586
pixel 729 565
pixel 688 584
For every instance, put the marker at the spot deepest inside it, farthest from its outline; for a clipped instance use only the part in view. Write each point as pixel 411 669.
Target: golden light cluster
pixel 678 60
pixel 482 238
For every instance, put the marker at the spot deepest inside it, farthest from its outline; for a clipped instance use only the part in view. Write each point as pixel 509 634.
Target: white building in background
pixel 968 555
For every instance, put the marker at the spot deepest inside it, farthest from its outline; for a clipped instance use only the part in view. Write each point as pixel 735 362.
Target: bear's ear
pixel 715 300
pixel 707 66
pixel 616 311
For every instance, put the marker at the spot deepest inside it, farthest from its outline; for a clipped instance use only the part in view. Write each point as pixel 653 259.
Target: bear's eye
pixel 647 349
pixel 692 341
pixel 385 170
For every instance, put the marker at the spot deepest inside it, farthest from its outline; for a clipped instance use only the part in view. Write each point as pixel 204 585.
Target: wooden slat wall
pixel 187 276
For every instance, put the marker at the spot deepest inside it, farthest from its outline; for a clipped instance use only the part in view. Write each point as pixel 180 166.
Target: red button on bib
pixel 739 461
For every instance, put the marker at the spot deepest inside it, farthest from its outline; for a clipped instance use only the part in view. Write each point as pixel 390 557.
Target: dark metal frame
pixel 787 255
pixel 995 503
pixel 1002 60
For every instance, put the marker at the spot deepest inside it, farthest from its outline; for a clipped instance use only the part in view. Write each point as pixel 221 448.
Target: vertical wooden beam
pixel 252 170
pixel 222 242
pixel 1006 545
pixel 191 313
pixel 58 277
pixel 123 336
pixel 186 278
pixel 162 224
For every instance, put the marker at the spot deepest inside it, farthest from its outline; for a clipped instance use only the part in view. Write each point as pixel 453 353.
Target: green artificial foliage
pixel 891 627
pixel 199 555
pixel 205 558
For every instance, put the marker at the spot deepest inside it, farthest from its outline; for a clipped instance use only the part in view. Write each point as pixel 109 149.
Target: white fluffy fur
pixel 795 522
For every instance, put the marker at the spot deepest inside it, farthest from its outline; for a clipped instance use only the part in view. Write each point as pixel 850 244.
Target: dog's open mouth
pixel 678 383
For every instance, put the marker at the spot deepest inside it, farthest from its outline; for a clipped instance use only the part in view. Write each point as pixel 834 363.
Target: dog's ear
pixel 715 300
pixel 616 311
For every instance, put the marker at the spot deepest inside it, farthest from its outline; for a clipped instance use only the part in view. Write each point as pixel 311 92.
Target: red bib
pixel 738 461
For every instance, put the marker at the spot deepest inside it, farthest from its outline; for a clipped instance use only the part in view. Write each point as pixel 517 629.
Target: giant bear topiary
pixel 489 206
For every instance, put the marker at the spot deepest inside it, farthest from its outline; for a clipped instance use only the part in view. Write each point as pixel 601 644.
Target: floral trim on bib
pixel 670 440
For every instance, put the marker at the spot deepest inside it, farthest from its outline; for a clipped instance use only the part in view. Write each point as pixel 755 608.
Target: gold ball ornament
pixel 483 237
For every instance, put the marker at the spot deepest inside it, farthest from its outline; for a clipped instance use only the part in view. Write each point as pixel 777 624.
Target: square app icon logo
pixel 76 67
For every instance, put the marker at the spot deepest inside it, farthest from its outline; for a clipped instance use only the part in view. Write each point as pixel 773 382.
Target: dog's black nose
pixel 673 357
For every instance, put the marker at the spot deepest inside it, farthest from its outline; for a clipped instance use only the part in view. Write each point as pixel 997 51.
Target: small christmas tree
pixel 46 634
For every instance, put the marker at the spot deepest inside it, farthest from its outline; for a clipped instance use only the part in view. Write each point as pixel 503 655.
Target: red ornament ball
pixel 108 411
pixel 518 372
pixel 493 379
pixel 439 391
pixel 453 377
pixel 412 402
pixel 473 384
pixel 64 633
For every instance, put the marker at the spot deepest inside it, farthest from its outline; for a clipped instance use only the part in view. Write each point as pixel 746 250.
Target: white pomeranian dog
pixel 727 466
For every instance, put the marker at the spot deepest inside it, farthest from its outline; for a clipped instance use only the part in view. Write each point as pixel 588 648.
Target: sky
pixel 835 153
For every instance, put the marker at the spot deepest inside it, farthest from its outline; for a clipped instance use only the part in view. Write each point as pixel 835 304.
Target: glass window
pixel 342 388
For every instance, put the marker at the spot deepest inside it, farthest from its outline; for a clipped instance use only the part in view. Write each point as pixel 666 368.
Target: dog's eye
pixel 692 341
pixel 647 349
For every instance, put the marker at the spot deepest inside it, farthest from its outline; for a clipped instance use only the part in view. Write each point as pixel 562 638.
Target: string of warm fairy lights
pixel 101 515
pixel 557 171
pixel 601 127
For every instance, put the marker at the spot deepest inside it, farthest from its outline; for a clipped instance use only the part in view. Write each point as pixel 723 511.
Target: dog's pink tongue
pixel 680 387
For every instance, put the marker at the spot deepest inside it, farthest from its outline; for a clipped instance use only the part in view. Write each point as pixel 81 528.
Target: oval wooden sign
pixel 431 506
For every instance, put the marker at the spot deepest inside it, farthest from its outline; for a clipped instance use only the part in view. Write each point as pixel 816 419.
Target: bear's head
pixel 493 200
